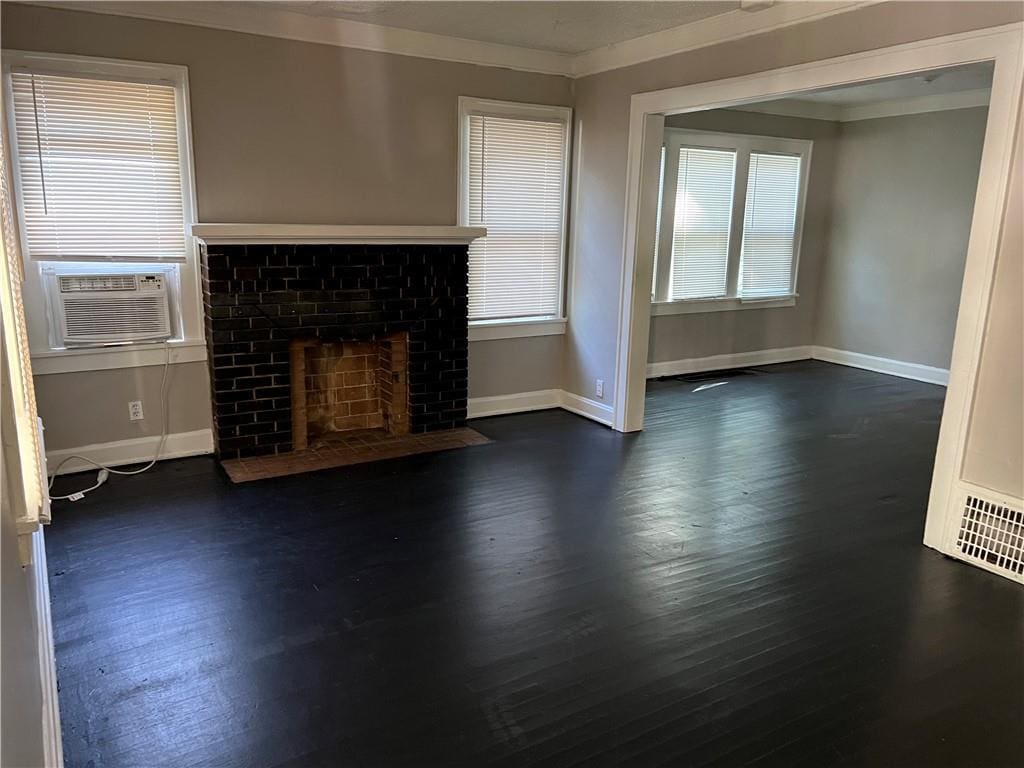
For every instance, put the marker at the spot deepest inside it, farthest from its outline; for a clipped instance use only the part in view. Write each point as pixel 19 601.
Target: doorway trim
pixel 1002 45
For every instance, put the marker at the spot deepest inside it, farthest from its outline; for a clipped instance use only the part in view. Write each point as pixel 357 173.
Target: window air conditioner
pixel 112 308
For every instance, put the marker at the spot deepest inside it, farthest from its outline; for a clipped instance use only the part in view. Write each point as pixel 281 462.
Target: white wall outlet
pixel 135 410
pixel 600 388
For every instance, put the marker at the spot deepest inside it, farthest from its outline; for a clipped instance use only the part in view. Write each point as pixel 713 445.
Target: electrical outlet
pixel 600 388
pixel 135 410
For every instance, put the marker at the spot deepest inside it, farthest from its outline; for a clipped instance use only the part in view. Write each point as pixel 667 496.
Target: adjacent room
pixel 827 226
pixel 502 383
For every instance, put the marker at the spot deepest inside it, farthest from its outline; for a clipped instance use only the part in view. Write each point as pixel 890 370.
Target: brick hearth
pixel 258 298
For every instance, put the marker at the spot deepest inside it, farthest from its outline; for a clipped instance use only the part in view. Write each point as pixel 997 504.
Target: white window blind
pixel 769 226
pixel 99 168
pixel 703 217
pixel 516 186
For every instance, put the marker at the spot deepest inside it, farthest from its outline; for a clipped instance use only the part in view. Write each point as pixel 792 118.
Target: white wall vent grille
pixel 992 533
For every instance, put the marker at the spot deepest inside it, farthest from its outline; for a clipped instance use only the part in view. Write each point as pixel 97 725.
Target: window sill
pixel 490 330
pixel 701 306
pixel 109 358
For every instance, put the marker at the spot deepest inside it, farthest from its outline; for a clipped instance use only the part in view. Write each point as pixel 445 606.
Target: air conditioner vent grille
pixel 74 283
pixel 116 319
pixel 992 533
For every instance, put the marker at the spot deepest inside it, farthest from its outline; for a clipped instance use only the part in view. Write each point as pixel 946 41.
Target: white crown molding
pixel 343 33
pixel 725 27
pixel 914 105
pixel 291 25
pixel 301 234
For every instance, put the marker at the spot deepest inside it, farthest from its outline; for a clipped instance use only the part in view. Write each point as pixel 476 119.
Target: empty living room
pixel 551 383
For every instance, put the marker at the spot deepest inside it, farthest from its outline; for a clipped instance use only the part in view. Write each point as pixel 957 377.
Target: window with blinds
pixel 99 167
pixel 730 218
pixel 514 185
pixel 769 225
pixel 700 227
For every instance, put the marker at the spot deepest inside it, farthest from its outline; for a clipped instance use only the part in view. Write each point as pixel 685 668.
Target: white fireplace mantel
pixel 246 234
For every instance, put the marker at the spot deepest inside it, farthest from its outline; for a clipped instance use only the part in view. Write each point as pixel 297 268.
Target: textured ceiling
pixel 565 27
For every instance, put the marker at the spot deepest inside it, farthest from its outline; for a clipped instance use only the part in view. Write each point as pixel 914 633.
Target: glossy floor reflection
pixel 741 583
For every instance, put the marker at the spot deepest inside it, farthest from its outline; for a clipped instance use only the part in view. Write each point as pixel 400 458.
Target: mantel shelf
pixel 251 234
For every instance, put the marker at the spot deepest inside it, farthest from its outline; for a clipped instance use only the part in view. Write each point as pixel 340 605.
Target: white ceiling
pixel 949 88
pixel 941 81
pixel 564 27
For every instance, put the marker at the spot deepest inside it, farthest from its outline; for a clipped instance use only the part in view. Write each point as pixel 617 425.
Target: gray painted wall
pixel 680 337
pixel 92 406
pixel 509 366
pixel 903 199
pixel 286 131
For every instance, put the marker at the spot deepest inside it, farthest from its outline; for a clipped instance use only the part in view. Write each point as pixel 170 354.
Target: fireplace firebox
pixel 339 387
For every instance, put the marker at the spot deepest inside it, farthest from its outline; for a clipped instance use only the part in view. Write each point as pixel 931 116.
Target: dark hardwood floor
pixel 742 583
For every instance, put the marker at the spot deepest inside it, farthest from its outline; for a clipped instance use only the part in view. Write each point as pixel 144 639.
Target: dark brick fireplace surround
pixel 258 297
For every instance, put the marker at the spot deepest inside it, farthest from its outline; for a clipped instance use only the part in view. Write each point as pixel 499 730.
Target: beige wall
pixel 92 406
pixel 510 366
pixel 995 443
pixel 903 200
pixel 286 131
pixel 679 337
pixel 602 106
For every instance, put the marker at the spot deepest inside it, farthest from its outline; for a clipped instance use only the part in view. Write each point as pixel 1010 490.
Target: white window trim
pixel 743 144
pixel 191 345
pixel 511 328
pixel 727 304
pixel 489 330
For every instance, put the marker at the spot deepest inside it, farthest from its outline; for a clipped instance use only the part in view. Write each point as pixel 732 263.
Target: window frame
pixel 742 145
pixel 189 343
pixel 506 328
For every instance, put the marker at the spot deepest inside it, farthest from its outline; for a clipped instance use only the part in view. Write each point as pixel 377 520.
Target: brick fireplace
pixel 326 330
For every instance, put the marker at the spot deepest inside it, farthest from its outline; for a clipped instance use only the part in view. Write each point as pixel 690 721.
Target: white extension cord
pixel 105 471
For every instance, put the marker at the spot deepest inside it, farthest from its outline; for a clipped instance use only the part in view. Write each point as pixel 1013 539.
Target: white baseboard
pixel 134 451
pixel 914 371
pixel 519 402
pixel 538 400
pixel 53 750
pixel 591 409
pixel 722 362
